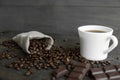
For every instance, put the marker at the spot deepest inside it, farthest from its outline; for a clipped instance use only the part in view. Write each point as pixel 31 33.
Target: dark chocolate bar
pixel 106 73
pixel 76 75
pixel 71 79
pixel 116 79
pixel 109 69
pixel 79 71
pixel 84 65
pixel 61 71
pixel 95 71
pixel 113 75
pixel 101 77
pixel 118 67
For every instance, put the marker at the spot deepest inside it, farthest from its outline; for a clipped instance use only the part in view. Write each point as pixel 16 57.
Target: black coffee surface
pixel 96 31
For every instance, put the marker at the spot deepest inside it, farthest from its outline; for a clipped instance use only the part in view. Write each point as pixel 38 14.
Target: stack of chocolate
pixel 76 74
pixel 106 73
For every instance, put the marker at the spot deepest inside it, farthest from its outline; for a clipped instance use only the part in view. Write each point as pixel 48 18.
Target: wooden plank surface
pixel 106 3
pixel 65 19
pixel 43 74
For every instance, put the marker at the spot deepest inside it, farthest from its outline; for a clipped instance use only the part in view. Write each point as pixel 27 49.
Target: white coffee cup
pixel 95 40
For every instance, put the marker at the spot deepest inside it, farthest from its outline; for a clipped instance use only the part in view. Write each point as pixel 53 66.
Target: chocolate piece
pixel 79 71
pixel 76 75
pixel 71 79
pixel 61 71
pixel 95 71
pixel 109 69
pixel 109 73
pixel 100 77
pixel 116 79
pixel 84 65
pixel 113 75
pixel 118 67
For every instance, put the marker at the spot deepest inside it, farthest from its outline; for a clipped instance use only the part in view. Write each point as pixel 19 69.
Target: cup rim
pixel 85 27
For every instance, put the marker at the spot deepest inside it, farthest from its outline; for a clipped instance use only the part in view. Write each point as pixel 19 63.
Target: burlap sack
pixel 23 39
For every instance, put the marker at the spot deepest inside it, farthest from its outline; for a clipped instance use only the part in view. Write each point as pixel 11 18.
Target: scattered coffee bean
pixel 109 62
pixel 10 44
pixel 69 66
pixel 38 67
pixel 9 66
pixel 28 73
pixel 21 65
pixel 53 78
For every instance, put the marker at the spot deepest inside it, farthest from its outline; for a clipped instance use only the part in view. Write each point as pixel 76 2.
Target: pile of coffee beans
pixel 5 55
pixel 37 45
pixel 10 44
pixel 40 58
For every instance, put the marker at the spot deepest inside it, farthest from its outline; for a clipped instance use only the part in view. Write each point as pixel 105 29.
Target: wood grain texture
pixel 108 3
pixel 57 19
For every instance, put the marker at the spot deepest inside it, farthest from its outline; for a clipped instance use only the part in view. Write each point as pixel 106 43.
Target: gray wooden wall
pixel 61 17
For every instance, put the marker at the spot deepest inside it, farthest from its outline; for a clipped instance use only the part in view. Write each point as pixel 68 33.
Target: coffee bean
pixel 68 59
pixel 28 73
pixel 25 66
pixel 38 67
pixel 92 62
pixel 109 62
pixel 28 67
pixel 31 64
pixel 21 65
pixel 9 66
pixel 3 55
pixel 35 63
pixel 17 68
pixel 69 66
pixel 13 55
pixel 27 62
pixel 53 78
pixel 21 59
pixel 45 67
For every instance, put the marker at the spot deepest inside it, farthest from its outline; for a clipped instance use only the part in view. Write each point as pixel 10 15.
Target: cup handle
pixel 115 43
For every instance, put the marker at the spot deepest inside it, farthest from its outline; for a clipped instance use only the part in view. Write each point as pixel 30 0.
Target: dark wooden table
pixel 11 74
